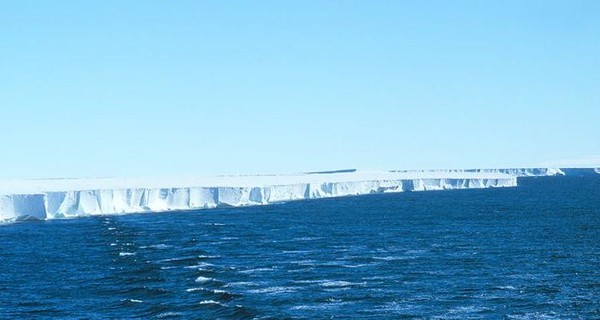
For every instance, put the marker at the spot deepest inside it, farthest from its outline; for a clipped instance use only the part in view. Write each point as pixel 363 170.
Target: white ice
pixel 63 198
pixel 518 172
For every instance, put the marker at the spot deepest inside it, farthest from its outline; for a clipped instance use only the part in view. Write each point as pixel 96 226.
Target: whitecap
pixel 379 278
pixel 176 259
pixel 307 307
pixel 199 266
pixel 533 315
pixel 242 284
pixel 203 279
pixel 360 265
pixel 297 251
pixel 250 271
pixel 303 270
pixel 160 246
pixel 336 289
pixel 210 302
pixel 168 314
pixel 322 306
pixel 167 267
pixel 506 288
pixel 273 290
pixel 329 284
pixel 218 291
pixel 123 254
pixel 309 281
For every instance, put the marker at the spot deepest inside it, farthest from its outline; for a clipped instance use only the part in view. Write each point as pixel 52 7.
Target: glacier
pixel 67 198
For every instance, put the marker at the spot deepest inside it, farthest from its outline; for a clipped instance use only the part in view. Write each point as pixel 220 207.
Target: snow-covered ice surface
pixel 64 198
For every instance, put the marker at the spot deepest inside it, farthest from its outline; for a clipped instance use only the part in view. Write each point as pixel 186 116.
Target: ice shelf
pixel 65 198
pixel 518 172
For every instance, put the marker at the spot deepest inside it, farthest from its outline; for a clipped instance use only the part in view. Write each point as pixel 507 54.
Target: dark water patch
pixel 531 252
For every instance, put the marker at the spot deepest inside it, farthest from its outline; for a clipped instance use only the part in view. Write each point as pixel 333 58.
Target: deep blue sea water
pixel 531 252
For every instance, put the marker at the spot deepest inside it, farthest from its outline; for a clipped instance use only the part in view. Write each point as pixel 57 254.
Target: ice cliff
pixel 517 172
pixel 525 172
pixel 63 198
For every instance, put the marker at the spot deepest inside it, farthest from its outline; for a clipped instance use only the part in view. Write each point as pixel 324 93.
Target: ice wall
pixel 580 172
pixel 517 172
pixel 22 207
pixel 525 172
pixel 74 198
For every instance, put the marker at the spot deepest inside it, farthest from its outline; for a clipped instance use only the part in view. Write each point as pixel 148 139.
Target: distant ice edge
pixel 78 203
pixel 517 172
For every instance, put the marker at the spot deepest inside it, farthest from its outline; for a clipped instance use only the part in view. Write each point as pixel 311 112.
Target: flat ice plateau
pixel 64 198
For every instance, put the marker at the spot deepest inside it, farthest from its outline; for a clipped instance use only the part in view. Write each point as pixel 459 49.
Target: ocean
pixel 531 252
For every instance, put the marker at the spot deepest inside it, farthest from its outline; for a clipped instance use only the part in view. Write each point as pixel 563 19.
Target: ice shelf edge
pixel 77 203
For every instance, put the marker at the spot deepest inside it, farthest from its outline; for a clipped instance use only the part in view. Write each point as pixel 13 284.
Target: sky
pixel 157 88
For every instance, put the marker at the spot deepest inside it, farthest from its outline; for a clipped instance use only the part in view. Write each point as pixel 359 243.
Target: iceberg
pixel 66 198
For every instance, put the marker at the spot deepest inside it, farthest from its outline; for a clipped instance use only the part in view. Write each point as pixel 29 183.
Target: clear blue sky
pixel 134 88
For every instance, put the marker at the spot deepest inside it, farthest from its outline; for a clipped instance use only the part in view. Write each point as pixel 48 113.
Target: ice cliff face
pixel 597 170
pixel 517 172
pixel 525 172
pixel 50 199
pixel 580 172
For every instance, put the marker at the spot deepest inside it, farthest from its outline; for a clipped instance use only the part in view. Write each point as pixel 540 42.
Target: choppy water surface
pixel 532 252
